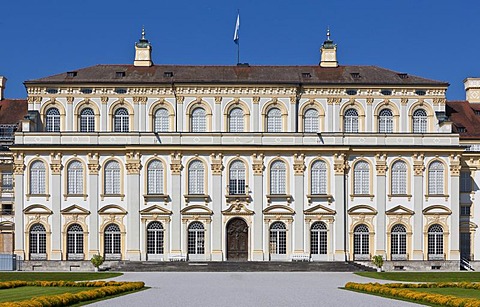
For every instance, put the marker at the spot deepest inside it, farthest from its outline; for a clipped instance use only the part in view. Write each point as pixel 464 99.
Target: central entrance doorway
pixel 237 240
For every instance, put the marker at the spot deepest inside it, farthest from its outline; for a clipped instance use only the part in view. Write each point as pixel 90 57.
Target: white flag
pixel 237 27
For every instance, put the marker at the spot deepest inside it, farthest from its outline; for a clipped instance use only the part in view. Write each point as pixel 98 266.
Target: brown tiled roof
pixel 462 114
pixel 162 74
pixel 12 110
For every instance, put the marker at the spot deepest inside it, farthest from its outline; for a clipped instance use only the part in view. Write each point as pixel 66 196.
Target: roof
pixel 240 74
pixel 12 110
pixel 465 117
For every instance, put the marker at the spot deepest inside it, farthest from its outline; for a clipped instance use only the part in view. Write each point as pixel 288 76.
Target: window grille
pixel 465 182
pixel 7 181
pixel 196 178
pixel 435 242
pixel 121 120
pixel 385 121
pixel 274 120
pixel 278 238
pixel 37 178
pixel 87 120
pixel 196 238
pixel 350 119
pixel 399 178
pixel 361 243
pixel 361 184
pixel 465 210
pixel 161 121
pixel 53 120
pixel 310 121
pixel 236 120
pixel 199 120
pixel 112 242
pixel 155 238
pixel 278 174
pixel 155 177
pixel 236 184
pixel 435 178
pixel 398 240
pixel 318 238
pixel 419 121
pixel 112 178
pixel 74 241
pixel 75 178
pixel 38 242
pixel 319 178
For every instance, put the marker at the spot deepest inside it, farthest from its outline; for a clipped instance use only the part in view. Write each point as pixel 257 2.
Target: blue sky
pixel 433 39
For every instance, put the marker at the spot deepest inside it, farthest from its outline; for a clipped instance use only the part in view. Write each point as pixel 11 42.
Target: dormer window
pixel 120 90
pixel 420 92
pixel 403 75
pixel 168 74
pixel 351 92
pixel 355 75
pixel 86 90
pixel 386 92
pixel 71 74
pixel 120 74
pixel 52 90
pixel 477 112
pixel 306 75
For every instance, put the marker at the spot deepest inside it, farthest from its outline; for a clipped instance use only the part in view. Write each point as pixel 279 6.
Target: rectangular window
pixel 465 182
pixel 7 181
pixel 465 210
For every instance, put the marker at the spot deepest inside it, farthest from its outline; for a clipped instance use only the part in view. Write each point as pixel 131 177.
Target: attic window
pixel 120 74
pixel 477 112
pixel 403 75
pixel 52 90
pixel 461 129
pixel 306 75
pixel 351 92
pixel 120 90
pixel 168 74
pixel 86 90
pixel 420 92
pixel 71 74
pixel 355 75
pixel 386 92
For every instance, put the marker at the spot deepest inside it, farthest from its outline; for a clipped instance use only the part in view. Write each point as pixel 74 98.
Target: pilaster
pixel 259 198
pixel 176 227
pixel 93 193
pixel 256 117
pixel 455 207
pixel 56 187
pixel 18 171
pixel 218 114
pixel 299 171
pixel 381 198
pixel 340 172
pixel 216 161
pixel 133 166
pixel 418 169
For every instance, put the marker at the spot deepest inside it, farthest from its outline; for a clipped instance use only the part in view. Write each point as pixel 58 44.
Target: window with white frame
pixel 310 121
pixel 319 178
pixel 236 120
pixel 361 242
pixel 37 178
pixel 350 121
pixel 196 238
pixel 398 238
pixel 278 238
pixel 236 184
pixel 87 120
pixel 112 178
pixel 399 178
pixel 419 121
pixel 385 121
pixel 361 178
pixel 465 182
pixel 112 242
pixel 436 178
pixel 318 238
pixel 38 242
pixel 196 178
pixel 7 181
pixel 155 177
pixel 274 120
pixel 435 242
pixel 278 178
pixel 155 238
pixel 53 120
pixel 121 120
pixel 75 177
pixel 75 242
pixel 161 120
pixel 198 120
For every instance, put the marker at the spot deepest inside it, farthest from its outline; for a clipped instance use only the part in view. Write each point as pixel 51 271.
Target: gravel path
pixel 247 289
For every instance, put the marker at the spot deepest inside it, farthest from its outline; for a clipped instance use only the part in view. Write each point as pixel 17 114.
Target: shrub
pixel 97 260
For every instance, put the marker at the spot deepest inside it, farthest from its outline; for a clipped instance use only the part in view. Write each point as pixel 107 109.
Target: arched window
pixel 112 242
pixel 75 242
pixel 196 178
pixel 361 174
pixel 121 121
pixel 318 238
pixel 361 243
pixel 310 121
pixel 278 178
pixel 278 238
pixel 161 120
pixel 399 178
pixel 38 242
pixel 350 121
pixel 196 238
pixel 37 178
pixel 112 178
pixel 236 185
pixel 87 120
pixel 75 178
pixel 155 177
pixel 419 121
pixel 398 238
pixel 274 120
pixel 319 178
pixel 435 242
pixel 435 178
pixel 385 121
pixel 236 120
pixel 155 238
pixel 199 120
pixel 53 120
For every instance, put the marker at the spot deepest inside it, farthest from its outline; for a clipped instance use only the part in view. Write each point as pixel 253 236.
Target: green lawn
pixel 458 292
pixel 26 293
pixel 424 276
pixel 53 276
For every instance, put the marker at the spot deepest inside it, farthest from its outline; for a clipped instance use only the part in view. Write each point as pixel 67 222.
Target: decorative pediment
pixel 196 210
pixel 400 210
pixel 75 209
pixel 112 209
pixel 319 210
pixel 37 209
pixel 238 209
pixel 437 210
pixel 363 210
pixel 155 210
pixel 278 210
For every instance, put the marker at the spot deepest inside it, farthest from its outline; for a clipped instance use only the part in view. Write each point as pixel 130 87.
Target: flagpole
pixel 236 37
pixel 238 51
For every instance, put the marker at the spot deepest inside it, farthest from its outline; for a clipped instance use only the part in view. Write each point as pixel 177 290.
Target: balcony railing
pixel 7 133
pixel 237 193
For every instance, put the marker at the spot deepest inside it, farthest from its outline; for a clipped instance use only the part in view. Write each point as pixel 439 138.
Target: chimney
pixel 3 82
pixel 143 52
pixel 472 89
pixel 328 53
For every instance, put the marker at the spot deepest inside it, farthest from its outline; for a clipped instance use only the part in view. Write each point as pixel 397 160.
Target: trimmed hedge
pixel 103 289
pixel 402 291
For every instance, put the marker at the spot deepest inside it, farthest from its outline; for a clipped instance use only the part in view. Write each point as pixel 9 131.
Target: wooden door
pixel 237 240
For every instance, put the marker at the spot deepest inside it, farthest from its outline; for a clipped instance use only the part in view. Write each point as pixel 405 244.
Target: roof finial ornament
pixel 143 32
pixel 328 33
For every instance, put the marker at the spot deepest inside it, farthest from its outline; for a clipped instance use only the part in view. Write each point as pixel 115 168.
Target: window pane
pixel 274 120
pixel 161 123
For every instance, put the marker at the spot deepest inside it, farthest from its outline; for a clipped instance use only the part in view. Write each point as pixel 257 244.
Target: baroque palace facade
pixel 253 163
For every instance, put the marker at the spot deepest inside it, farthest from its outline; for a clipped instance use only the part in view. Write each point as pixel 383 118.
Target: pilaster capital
pixel 404 101
pixel 257 164
pixel 216 163
pixel 370 101
pixel 299 164
pixel 381 164
pixel 56 162
pixel 140 99
pixel 104 99
pixel 218 99
pixel 180 99
pixel 70 99
pixel 256 99
pixel 133 164
pixel 18 164
pixel 418 166
pixel 93 165
pixel 455 165
pixel 340 164
pixel 176 163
